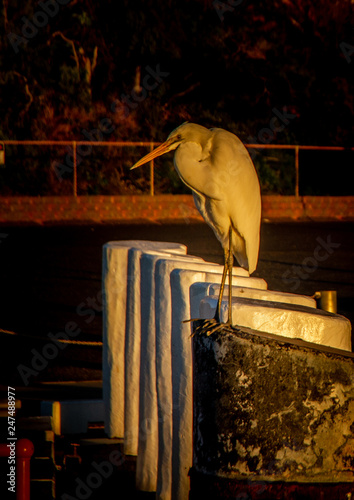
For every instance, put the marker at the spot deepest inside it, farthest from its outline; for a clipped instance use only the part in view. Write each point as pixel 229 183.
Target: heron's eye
pixel 179 137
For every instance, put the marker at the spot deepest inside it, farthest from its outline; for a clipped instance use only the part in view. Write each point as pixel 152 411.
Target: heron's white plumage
pixel 217 167
pixel 225 187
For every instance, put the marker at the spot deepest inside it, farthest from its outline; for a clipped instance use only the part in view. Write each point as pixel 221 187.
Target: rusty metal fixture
pixel 74 456
pixel 327 300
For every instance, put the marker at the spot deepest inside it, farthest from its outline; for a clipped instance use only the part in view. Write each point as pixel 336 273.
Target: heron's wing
pixel 226 189
pixel 195 171
pixel 245 216
pixel 239 182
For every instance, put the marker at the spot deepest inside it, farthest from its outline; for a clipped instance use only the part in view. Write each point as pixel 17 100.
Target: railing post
pixel 75 169
pixel 152 179
pixel 297 171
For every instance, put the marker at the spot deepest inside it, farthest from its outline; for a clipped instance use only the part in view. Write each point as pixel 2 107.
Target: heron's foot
pixel 200 321
pixel 192 320
pixel 208 327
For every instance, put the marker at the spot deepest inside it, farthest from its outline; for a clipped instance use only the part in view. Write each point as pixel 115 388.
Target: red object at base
pixel 23 451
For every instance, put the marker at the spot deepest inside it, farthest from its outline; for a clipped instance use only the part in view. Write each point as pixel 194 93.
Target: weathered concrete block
pixel 272 409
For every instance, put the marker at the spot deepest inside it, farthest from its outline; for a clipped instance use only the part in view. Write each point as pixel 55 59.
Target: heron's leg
pixel 216 318
pixel 222 286
pixel 210 326
pixel 230 262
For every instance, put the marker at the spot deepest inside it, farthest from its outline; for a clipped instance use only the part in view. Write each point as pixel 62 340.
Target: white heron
pixel 216 166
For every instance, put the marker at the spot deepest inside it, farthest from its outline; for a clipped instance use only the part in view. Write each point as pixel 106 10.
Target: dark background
pixel 233 65
pixel 52 275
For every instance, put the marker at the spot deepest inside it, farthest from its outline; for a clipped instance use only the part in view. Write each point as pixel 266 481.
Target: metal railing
pixel 152 144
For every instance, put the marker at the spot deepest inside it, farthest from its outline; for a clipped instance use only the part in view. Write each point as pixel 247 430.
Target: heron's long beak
pixel 160 150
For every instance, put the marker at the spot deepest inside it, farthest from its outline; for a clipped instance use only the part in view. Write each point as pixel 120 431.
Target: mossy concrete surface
pixel 272 409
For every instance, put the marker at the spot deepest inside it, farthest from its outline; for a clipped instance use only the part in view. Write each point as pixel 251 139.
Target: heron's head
pixel 187 132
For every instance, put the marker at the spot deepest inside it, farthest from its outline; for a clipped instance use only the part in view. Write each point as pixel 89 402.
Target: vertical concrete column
pixel 183 307
pixel 132 354
pixel 114 280
pixel 114 283
pixel 134 321
pixel 164 338
pixel 147 459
